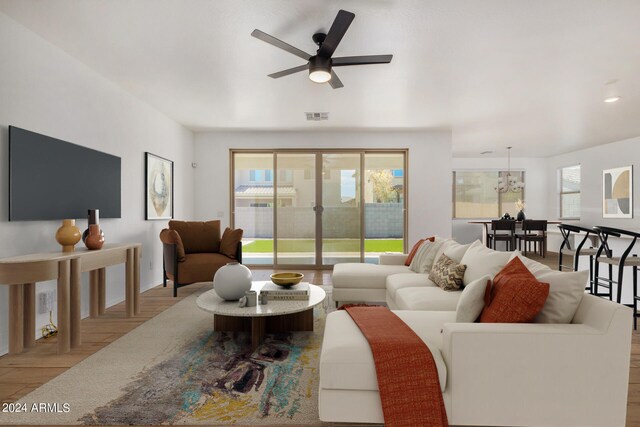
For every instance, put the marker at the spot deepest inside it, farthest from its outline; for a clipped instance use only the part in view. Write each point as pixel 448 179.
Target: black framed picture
pixel 158 187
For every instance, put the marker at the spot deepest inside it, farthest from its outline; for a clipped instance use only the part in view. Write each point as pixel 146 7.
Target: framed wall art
pixel 158 187
pixel 617 192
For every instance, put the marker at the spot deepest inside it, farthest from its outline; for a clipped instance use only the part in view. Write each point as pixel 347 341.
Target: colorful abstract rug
pixel 194 376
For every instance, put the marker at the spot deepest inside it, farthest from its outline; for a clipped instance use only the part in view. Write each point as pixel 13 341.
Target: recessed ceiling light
pixel 611 92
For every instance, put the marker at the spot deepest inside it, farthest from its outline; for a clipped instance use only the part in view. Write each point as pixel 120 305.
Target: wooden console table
pixel 22 272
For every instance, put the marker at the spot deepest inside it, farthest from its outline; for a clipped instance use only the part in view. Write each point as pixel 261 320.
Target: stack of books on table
pixel 299 292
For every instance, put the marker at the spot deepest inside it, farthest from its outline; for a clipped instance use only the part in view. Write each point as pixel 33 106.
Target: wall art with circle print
pixel 617 192
pixel 158 187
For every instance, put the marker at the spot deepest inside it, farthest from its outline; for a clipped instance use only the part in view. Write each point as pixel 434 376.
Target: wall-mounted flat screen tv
pixel 54 179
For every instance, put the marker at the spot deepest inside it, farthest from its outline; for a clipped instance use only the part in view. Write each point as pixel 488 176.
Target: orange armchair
pixel 193 251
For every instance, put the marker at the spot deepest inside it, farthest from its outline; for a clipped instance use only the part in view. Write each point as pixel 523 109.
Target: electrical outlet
pixel 42 303
pixel 46 301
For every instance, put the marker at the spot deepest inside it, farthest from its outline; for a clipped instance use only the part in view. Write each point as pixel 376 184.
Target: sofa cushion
pixel 425 256
pixel 364 276
pixel 198 236
pixel 406 280
pixel 471 300
pixel 515 295
pixel 171 237
pixel 447 274
pixel 199 267
pixel 229 242
pixel 480 261
pixel 430 298
pixel 346 362
pixel 566 290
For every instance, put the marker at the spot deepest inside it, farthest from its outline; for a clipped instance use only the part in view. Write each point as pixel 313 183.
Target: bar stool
pixel 509 238
pixel 534 230
pixel 566 248
pixel 621 262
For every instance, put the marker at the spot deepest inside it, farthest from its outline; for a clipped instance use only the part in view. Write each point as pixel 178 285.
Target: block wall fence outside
pixel 47 91
pixel 382 220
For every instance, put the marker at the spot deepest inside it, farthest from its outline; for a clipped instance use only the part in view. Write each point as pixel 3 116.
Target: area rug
pixel 174 369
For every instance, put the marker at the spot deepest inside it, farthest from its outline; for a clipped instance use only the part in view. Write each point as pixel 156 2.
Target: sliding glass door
pixel 341 208
pixel 317 208
pixel 295 214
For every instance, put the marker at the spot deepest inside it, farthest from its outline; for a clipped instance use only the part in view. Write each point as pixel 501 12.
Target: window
pixel 260 175
pixel 570 192
pixel 475 195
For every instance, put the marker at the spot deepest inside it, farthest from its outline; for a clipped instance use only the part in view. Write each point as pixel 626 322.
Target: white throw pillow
pixel 456 251
pixel 480 260
pixel 533 266
pixel 471 300
pixel 423 260
pixel 566 290
pixel 443 247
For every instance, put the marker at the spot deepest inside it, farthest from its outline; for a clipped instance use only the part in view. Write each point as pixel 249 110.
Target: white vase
pixel 231 281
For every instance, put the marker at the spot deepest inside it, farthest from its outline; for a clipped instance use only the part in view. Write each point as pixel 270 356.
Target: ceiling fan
pixel 321 64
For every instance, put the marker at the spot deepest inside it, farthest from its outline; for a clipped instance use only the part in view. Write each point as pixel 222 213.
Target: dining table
pixel 486 226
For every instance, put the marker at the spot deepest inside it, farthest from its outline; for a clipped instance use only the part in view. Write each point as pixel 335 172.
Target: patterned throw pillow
pixel 415 248
pixel 515 297
pixel 447 274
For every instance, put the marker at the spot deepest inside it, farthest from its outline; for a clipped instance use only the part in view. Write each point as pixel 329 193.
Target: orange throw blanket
pixel 407 374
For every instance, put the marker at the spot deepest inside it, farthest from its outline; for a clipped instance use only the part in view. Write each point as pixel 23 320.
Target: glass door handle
pixel 318 209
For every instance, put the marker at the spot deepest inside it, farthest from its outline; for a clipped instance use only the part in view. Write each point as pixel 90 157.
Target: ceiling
pixel 530 74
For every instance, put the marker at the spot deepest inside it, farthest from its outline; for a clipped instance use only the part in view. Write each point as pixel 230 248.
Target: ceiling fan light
pixel 319 76
pixel 319 69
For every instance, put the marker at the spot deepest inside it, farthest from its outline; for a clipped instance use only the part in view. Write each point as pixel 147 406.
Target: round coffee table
pixel 275 316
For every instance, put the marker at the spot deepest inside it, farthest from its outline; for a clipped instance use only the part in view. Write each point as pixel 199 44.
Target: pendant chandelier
pixel 508 183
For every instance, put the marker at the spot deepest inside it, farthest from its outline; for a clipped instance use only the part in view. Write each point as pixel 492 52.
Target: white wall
pixel 535 193
pixel 429 169
pixel 592 162
pixel 45 90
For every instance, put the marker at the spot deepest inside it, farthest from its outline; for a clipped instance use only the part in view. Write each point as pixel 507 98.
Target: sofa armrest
pixel 506 374
pixel 392 259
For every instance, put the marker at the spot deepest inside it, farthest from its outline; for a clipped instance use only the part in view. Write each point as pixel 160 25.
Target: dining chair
pixel 583 248
pixel 503 230
pixel 533 231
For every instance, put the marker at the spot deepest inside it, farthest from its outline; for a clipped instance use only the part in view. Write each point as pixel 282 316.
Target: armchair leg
pixel 164 279
pixel 175 289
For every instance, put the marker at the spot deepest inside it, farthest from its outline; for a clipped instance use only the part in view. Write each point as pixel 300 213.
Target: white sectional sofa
pixel 572 373
pixel 496 374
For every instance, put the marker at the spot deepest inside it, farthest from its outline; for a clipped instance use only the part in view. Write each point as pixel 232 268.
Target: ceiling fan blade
pixel 336 32
pixel 283 73
pixel 335 82
pixel 279 43
pixel 361 60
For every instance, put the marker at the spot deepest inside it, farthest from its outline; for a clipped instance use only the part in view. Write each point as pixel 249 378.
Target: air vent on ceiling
pixel 316 117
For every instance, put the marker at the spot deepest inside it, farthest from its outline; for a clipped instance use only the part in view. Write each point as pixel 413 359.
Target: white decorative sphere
pixel 231 281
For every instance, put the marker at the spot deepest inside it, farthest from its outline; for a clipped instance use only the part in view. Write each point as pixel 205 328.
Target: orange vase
pixel 95 239
pixel 68 235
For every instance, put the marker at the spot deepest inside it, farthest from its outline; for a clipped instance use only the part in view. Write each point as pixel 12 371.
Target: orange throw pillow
pixel 414 249
pixel 515 297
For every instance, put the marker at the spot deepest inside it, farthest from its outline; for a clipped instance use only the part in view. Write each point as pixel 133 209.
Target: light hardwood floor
pixel 20 374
